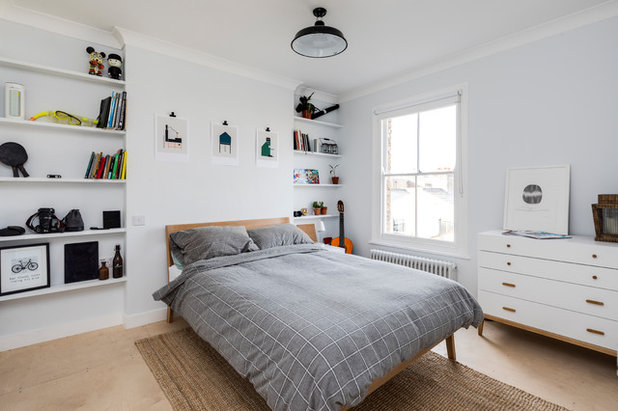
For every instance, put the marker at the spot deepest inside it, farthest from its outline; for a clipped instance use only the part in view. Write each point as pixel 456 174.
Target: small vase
pixel 324 209
pixel 335 180
pixel 316 211
pixel 103 272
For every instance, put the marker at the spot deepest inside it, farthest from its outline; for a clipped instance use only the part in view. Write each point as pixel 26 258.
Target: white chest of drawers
pixel 565 289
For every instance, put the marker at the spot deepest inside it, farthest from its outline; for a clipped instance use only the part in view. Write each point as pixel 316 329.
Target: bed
pixel 314 329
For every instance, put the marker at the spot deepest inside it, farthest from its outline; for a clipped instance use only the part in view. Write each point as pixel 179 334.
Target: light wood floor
pixel 103 370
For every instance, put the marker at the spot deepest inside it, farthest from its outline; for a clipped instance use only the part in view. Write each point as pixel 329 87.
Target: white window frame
pixel 459 247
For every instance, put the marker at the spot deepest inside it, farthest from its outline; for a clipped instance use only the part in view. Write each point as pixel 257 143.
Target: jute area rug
pixel 194 376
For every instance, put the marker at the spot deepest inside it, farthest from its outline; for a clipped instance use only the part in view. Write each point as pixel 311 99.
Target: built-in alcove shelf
pixel 7 62
pixel 43 237
pixel 315 154
pixel 318 185
pixel 59 127
pixel 314 217
pixel 33 180
pixel 59 288
pixel 322 123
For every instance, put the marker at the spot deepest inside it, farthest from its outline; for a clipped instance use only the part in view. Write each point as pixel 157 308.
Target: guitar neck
pixel 341 232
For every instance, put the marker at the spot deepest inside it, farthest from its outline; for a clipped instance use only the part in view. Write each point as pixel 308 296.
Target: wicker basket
pixel 605 215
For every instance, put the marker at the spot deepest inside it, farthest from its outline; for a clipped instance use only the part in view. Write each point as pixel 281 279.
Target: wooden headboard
pixel 249 224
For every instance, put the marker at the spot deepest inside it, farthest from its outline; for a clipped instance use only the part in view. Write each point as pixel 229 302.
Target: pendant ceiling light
pixel 319 40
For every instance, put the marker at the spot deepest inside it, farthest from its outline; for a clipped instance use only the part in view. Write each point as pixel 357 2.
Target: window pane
pixel 399 205
pixel 436 210
pixel 399 136
pixel 438 139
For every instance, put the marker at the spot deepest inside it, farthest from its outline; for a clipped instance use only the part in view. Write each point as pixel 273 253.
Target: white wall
pixel 546 103
pixel 174 193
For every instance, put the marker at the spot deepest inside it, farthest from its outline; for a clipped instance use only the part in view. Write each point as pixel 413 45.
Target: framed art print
pixel 266 148
pixel 24 268
pixel 537 199
pixel 171 138
pixel 224 147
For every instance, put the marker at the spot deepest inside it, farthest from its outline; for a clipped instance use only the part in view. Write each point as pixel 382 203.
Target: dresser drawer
pixel 573 273
pixel 582 327
pixel 577 250
pixel 586 300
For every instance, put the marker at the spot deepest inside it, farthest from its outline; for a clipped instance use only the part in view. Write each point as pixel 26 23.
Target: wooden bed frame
pixel 310 230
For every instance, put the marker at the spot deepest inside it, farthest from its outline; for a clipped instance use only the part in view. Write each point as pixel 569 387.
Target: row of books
pixel 113 111
pixel 107 167
pixel 301 141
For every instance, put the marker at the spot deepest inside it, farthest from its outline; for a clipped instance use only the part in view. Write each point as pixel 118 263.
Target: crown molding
pixel 582 18
pixel 318 95
pixel 135 39
pixel 69 28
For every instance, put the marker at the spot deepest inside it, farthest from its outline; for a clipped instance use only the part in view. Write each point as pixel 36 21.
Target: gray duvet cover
pixel 311 329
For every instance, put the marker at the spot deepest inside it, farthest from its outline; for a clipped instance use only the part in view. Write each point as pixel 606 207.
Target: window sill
pixel 443 252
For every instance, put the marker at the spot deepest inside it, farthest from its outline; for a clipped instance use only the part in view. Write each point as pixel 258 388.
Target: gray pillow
pixel 207 242
pixel 279 235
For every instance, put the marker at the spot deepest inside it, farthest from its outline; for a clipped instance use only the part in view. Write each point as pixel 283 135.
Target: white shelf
pixel 60 72
pixel 64 287
pixel 314 217
pixel 317 185
pixel 44 237
pixel 19 180
pixel 322 123
pixel 315 154
pixel 60 127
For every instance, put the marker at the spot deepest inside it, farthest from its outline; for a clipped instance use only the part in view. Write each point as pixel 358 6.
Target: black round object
pixel 319 12
pixel 14 155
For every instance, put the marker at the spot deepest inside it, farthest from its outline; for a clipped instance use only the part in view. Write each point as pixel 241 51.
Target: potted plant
pixel 305 107
pixel 333 173
pixel 324 209
pixel 317 208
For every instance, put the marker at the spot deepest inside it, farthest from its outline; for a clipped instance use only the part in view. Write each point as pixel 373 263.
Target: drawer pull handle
pixel 595 302
pixel 508 246
pixel 594 256
pixel 593 331
pixel 508 285
pixel 509 309
pixel 594 277
pixel 508 263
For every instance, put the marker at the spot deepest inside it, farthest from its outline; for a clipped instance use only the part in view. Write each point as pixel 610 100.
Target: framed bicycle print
pixel 24 268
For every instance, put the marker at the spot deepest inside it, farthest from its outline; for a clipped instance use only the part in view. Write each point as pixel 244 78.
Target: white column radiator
pixel 442 268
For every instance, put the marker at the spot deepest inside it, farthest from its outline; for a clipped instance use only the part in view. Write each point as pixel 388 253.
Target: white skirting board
pixel 137 320
pixel 9 342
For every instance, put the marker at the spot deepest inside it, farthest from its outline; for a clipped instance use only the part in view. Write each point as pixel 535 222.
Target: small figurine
pixel 115 63
pixel 95 59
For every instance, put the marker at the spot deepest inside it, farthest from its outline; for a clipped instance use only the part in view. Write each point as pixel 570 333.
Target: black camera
pixel 48 222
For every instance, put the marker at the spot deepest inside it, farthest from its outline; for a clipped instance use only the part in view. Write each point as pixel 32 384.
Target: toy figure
pixel 115 63
pixel 95 59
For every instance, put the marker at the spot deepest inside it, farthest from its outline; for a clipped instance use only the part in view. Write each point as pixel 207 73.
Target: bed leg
pixel 170 315
pixel 480 328
pixel 450 347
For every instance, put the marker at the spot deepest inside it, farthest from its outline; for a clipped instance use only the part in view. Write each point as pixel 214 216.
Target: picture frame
pixel 266 148
pixel 224 144
pixel 24 268
pixel 306 176
pixel 537 199
pixel 171 138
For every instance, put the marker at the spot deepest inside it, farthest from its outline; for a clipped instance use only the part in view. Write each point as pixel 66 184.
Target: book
pixel 95 167
pixel 116 115
pixel 111 111
pixel 101 168
pixel 107 165
pixel 112 159
pixel 103 112
pixel 538 235
pixel 124 166
pixel 89 165
pixel 123 111
pixel 115 166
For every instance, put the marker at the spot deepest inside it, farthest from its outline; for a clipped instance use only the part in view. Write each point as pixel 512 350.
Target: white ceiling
pixel 386 38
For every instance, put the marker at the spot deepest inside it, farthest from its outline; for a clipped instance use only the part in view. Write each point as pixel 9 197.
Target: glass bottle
pixel 117 267
pixel 103 271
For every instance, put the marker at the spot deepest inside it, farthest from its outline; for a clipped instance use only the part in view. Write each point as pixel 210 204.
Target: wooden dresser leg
pixel 170 315
pixel 480 329
pixel 450 347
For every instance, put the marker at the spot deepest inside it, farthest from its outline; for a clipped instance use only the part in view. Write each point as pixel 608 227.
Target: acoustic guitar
pixel 342 241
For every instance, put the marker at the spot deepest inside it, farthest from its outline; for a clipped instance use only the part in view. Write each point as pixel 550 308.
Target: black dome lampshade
pixel 319 40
